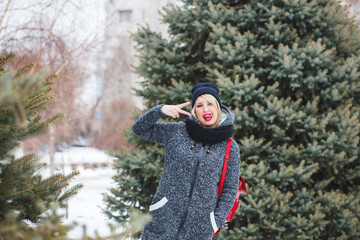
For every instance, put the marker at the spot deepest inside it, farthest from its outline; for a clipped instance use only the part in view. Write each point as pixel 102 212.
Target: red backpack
pixel 241 189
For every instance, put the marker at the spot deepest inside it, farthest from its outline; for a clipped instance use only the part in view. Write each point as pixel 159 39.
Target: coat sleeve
pixel 228 195
pixel 147 128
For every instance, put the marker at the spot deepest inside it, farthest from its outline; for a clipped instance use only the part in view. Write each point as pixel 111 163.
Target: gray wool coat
pixel 185 203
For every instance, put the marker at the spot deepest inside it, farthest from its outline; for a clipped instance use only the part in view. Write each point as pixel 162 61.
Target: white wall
pixel 119 47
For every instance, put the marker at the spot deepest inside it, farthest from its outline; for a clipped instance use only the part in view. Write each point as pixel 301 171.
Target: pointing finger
pixel 183 104
pixel 184 112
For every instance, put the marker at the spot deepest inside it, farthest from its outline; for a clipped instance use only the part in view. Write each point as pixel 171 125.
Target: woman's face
pixel 206 112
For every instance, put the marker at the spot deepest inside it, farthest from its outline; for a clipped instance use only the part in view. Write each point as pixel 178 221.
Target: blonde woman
pixel 185 205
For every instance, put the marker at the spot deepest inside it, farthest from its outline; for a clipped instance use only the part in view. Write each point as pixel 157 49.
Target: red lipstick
pixel 207 117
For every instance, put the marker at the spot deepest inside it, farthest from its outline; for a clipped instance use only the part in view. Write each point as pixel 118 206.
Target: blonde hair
pixel 211 99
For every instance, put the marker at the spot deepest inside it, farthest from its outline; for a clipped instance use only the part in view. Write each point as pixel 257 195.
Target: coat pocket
pixel 160 218
pixel 201 223
pixel 158 205
pixel 213 222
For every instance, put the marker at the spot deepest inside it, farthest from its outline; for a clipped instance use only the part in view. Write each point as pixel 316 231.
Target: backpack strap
pixel 225 165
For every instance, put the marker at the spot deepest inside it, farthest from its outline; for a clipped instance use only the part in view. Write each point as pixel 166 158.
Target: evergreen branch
pixel 25 190
pixel 71 192
pixel 6 59
pixel 25 96
pixel 64 181
pixel 34 122
pixel 51 179
pixel 25 159
pixel 34 113
pixel 3 129
pixel 15 88
pixel 15 175
pixel 28 180
pixel 19 112
pixel 41 102
pixel 62 186
pixel 35 97
pixel 23 69
pixel 59 116
pixel 51 77
pixel 35 164
pixel 70 176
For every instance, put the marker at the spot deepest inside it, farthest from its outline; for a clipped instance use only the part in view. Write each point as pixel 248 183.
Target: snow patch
pixel 96 174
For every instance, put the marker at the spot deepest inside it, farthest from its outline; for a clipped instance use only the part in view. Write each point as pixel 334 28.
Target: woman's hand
pixel 175 110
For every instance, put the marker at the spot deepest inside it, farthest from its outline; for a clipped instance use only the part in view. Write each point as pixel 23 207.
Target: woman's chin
pixel 207 124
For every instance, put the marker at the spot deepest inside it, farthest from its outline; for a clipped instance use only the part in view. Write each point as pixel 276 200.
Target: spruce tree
pixel 289 70
pixel 23 190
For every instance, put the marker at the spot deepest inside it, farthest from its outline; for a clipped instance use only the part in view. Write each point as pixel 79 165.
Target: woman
pixel 185 204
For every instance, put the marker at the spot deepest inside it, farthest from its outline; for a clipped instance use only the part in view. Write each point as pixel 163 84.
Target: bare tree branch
pixel 6 10
pixel 25 26
pixel 22 8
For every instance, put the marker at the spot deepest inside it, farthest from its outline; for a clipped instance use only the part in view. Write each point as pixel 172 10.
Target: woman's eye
pixel 209 103
pixel 199 105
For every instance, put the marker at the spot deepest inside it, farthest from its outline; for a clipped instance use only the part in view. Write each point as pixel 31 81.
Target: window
pixel 125 15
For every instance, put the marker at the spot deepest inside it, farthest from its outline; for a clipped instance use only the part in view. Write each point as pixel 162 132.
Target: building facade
pixel 124 19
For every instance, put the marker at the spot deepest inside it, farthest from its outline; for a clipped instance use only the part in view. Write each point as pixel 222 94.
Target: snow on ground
pixel 96 174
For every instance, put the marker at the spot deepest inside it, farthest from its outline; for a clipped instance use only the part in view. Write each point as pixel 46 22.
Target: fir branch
pixel 70 193
pixel 39 103
pixel 19 112
pixel 59 116
pixel 34 98
pixel 23 160
pixel 51 77
pixel 51 179
pixel 3 129
pixel 32 124
pixel 6 59
pixel 23 69
pixel 22 191
pixel 70 176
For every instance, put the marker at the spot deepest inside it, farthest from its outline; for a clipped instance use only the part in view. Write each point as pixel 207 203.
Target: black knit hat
pixel 204 88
